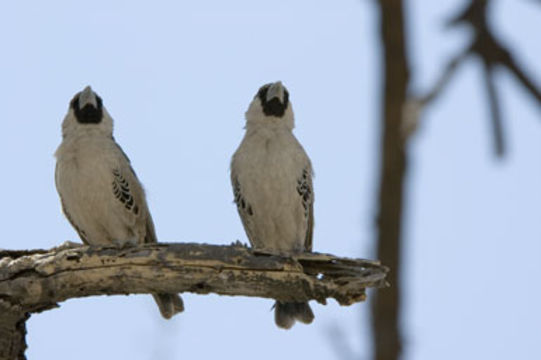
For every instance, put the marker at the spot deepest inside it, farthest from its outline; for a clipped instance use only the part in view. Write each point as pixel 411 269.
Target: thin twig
pixel 495 109
pixel 443 80
pixel 491 52
pixel 515 69
pixel 414 106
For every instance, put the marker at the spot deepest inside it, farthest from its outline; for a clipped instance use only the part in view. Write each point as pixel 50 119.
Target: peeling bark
pixel 12 331
pixel 34 281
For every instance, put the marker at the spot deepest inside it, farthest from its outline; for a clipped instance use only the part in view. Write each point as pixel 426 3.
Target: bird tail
pixel 285 314
pixel 169 304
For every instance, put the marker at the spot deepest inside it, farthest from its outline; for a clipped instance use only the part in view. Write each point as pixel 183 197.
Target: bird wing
pixel 243 207
pixel 129 193
pixel 305 191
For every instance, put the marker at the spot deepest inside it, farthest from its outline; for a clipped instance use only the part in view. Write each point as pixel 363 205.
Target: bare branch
pixel 491 52
pixel 12 331
pixel 444 79
pixel 495 111
pixel 400 118
pixel 512 66
pixel 37 281
pixel 415 104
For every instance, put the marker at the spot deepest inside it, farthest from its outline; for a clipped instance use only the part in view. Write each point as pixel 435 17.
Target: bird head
pixel 271 106
pixel 86 112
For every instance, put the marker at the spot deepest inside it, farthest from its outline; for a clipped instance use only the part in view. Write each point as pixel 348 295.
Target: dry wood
pixel 36 280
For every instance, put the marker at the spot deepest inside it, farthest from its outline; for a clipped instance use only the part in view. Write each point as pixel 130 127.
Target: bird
pixel 99 191
pixel 271 176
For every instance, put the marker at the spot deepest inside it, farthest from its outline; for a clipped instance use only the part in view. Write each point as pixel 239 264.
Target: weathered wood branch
pixel 12 331
pixel 36 280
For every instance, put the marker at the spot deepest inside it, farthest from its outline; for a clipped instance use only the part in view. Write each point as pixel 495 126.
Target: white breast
pixel 84 183
pixel 268 164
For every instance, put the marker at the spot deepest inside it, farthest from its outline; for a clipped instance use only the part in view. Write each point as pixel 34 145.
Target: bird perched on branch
pixel 272 184
pixel 100 194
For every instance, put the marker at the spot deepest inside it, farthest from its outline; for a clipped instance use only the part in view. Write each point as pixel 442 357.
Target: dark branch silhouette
pixel 495 111
pixel 393 163
pixel 492 53
pixel 400 116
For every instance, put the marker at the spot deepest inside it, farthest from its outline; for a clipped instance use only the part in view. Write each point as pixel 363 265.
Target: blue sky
pixel 177 78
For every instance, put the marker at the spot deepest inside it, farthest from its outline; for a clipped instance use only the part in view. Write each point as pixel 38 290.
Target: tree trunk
pixel 386 305
pixel 12 331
